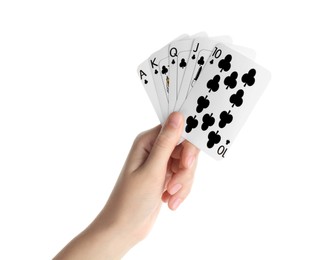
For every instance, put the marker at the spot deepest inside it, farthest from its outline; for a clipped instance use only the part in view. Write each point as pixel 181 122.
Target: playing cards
pixel 210 82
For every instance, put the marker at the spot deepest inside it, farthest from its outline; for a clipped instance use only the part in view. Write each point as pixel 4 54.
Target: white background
pixel 71 104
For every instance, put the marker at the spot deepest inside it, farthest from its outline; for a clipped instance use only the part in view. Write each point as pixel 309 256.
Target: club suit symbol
pixel 249 78
pixel 200 62
pixel 191 123
pixel 208 120
pixel 213 84
pixel 183 63
pixel 224 64
pixel 237 99
pixel 231 81
pixel 203 103
pixel 225 118
pixel 164 70
pixel 213 138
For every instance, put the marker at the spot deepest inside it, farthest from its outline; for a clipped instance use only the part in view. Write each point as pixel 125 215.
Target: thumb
pixel 166 141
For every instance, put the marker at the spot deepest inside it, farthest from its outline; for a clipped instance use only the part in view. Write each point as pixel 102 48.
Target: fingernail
pixel 190 161
pixel 174 120
pixel 175 188
pixel 176 204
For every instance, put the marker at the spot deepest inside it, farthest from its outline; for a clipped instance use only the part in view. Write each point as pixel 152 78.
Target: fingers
pixel 180 186
pixel 183 169
pixel 188 154
pixel 185 150
pixel 158 152
pixel 165 143
pixel 176 154
pixel 165 197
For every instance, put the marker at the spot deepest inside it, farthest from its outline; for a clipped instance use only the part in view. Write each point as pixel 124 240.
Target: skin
pixel 156 170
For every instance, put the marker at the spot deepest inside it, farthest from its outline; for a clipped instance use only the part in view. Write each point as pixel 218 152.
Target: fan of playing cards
pixel 212 82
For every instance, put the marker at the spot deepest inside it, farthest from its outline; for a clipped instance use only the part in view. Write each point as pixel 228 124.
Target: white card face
pixel 156 70
pixel 201 49
pixel 159 66
pixel 183 57
pixel 178 55
pixel 248 52
pixel 179 52
pixel 220 102
pixel 148 84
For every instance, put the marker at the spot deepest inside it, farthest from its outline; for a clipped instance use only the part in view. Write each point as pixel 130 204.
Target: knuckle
pixel 188 176
pixel 164 141
pixel 187 179
pixel 185 192
pixel 139 140
pixel 190 147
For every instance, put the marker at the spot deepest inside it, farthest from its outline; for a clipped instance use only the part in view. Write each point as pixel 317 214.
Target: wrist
pixel 114 238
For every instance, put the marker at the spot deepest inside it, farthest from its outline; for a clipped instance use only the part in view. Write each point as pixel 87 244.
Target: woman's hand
pixel 156 170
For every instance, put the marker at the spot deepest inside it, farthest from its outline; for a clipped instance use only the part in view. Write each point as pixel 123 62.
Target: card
pixel 220 102
pixel 159 66
pixel 157 70
pixel 179 52
pixel 199 54
pixel 248 52
pixel 148 84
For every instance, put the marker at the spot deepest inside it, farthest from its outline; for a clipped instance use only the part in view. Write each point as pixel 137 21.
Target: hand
pixel 156 170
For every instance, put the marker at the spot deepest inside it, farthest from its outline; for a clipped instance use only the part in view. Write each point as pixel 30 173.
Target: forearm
pixel 97 242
